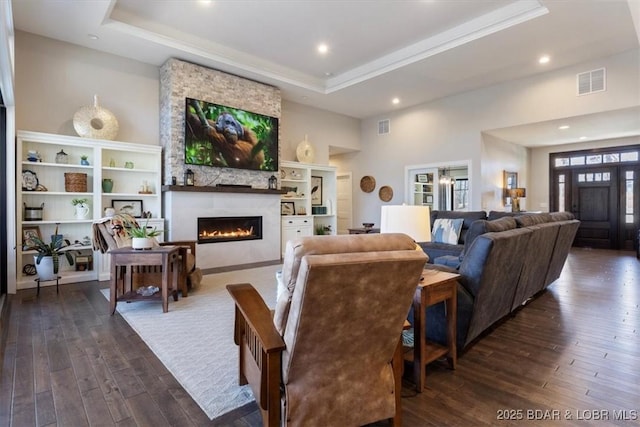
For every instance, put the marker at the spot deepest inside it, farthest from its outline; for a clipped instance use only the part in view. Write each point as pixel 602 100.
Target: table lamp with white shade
pixel 414 221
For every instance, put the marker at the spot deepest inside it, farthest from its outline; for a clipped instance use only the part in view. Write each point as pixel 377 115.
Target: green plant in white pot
pixel 143 237
pixel 48 258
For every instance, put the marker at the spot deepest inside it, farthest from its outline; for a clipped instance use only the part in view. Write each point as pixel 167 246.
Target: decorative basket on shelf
pixel 75 182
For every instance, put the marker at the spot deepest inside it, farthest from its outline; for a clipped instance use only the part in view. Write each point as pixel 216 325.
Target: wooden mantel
pixel 222 189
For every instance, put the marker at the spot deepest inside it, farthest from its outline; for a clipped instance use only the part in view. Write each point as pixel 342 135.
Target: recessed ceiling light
pixel 395 101
pixel 205 2
pixel 323 48
pixel 583 137
pixel 328 74
pixel 93 36
pixel 544 59
pixel 564 127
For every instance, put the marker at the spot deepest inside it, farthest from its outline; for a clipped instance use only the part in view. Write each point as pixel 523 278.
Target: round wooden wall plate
pixel 385 193
pixel 367 184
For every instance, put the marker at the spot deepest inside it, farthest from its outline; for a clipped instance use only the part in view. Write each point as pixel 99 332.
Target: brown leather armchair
pixel 107 236
pixel 332 353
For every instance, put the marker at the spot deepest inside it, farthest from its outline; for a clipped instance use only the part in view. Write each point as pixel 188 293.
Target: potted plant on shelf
pixel 322 230
pixel 82 208
pixel 143 237
pixel 48 258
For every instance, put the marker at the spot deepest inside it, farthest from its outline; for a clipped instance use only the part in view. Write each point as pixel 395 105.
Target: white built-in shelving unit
pixel 107 160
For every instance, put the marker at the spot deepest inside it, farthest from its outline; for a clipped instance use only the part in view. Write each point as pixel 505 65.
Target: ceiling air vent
pixel 592 81
pixel 383 127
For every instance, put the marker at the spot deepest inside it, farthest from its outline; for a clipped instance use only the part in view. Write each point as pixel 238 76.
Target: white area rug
pixel 194 340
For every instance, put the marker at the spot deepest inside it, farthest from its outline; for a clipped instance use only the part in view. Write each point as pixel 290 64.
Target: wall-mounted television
pixel 217 135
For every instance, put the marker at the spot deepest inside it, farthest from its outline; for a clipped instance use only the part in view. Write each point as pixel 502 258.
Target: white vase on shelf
pixel 82 211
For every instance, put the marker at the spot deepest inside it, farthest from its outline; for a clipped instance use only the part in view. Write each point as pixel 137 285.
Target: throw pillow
pixel 446 230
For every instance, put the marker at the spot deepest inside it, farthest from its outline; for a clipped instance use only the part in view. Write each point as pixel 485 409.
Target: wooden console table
pixel 124 259
pixel 434 287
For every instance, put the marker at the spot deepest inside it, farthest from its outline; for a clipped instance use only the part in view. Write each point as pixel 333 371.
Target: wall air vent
pixel 384 127
pixel 592 81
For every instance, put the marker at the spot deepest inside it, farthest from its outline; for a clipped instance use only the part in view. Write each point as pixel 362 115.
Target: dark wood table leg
pixel 176 269
pixel 452 308
pixel 419 341
pixel 113 284
pixel 182 276
pixel 165 283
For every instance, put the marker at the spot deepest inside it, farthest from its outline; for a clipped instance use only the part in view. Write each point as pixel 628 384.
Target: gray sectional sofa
pixel 434 249
pixel 505 262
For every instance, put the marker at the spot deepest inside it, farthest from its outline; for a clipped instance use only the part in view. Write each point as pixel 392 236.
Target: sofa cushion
pixel 561 216
pixel 446 230
pixel 478 228
pixel 500 214
pixel 482 226
pixel 468 217
pixel 528 220
pixel 435 250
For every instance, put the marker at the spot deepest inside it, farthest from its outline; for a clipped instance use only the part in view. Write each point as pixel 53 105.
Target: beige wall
pixel 54 79
pixel 450 129
pixel 499 156
pixel 323 129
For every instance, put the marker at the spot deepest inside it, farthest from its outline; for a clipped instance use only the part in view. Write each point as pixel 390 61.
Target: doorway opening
pixel 441 186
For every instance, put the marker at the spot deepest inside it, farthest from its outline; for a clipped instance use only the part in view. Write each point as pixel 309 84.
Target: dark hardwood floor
pixel 572 354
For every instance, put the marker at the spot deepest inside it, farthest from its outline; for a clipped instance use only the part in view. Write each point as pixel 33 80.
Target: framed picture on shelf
pixel 287 208
pixel 29 231
pixel 131 207
pixel 429 199
pixel 316 190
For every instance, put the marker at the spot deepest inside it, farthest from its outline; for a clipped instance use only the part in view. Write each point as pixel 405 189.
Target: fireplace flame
pixel 218 234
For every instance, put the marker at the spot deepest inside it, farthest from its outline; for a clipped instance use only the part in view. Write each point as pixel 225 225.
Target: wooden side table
pixel 124 259
pixel 434 287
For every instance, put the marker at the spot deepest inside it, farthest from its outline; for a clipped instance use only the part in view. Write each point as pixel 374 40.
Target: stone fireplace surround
pixel 179 80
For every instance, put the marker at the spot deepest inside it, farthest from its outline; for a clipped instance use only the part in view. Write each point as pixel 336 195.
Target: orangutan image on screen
pixel 222 141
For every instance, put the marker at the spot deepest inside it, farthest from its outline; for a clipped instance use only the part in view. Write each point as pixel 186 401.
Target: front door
pixel 594 201
pixel 602 189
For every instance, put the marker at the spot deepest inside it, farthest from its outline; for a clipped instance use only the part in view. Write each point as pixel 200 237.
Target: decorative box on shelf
pixel 319 210
pixel 84 262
